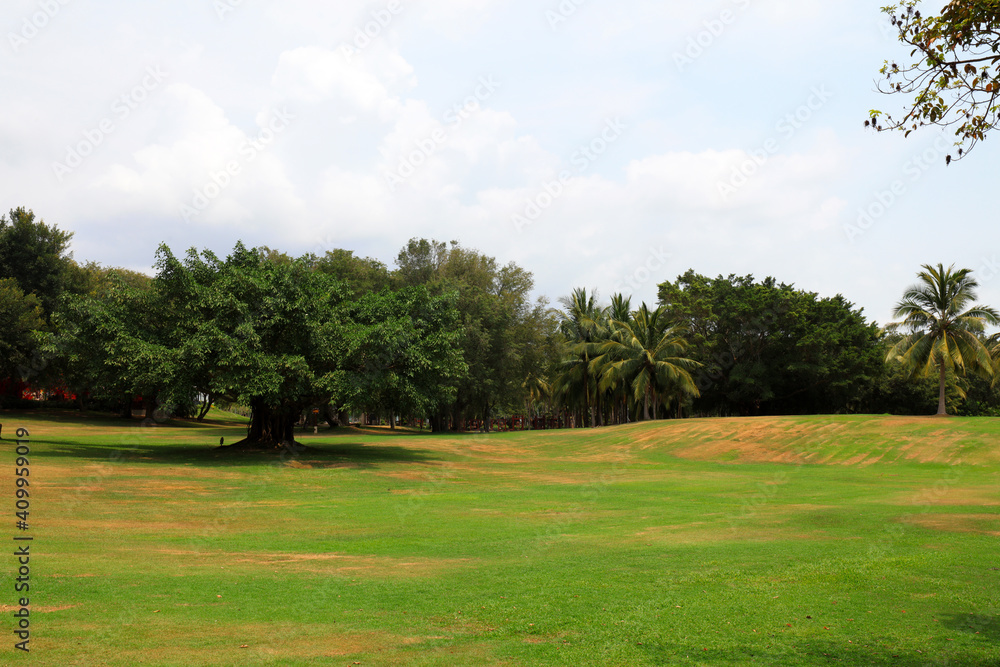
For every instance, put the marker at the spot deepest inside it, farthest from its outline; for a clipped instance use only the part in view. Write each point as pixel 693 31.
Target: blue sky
pixel 597 144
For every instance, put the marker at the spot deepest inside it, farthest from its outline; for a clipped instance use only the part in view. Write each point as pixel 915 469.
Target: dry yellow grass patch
pixel 983 524
pixel 945 494
pixel 739 531
pixel 169 642
pixel 317 563
pixel 785 440
pixel 38 609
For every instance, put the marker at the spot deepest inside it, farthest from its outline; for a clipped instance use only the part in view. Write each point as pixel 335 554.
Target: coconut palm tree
pixel 618 394
pixel 942 327
pixel 646 353
pixel 583 325
pixel 537 391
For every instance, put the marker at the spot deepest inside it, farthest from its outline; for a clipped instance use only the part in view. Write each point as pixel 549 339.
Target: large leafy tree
pixel 943 327
pixel 502 331
pixel 37 256
pixel 768 348
pixel 37 269
pixel 94 346
pixel 258 329
pixel 647 354
pixel 20 322
pixel 403 355
pixel 954 79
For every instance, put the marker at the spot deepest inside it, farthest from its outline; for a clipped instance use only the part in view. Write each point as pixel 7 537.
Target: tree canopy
pixel 37 256
pixel 943 327
pixel 453 336
pixel 954 79
pixel 768 348
pixel 21 317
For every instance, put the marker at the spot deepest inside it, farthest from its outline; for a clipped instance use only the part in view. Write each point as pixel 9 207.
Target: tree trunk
pixel 270 428
pixel 205 407
pixel 645 406
pixel 330 414
pixel 942 408
pixel 149 407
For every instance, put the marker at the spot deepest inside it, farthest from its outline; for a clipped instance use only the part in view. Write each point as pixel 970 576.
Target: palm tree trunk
pixel 942 408
pixel 645 408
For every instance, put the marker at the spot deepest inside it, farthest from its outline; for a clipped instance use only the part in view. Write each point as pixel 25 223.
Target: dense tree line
pixel 453 337
pixel 768 348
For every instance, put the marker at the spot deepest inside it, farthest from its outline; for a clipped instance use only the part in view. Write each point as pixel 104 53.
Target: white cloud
pixel 201 160
pixel 359 82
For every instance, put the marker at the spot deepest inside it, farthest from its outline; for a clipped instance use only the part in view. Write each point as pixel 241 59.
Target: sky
pixel 598 144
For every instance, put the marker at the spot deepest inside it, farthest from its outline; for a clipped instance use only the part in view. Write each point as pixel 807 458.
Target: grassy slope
pixel 792 541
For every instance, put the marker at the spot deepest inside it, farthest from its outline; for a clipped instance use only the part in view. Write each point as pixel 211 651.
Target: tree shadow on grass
pixel 986 626
pixel 345 455
pixel 866 652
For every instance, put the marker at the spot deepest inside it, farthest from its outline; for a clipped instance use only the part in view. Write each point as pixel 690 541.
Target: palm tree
pixel 943 329
pixel 583 325
pixel 620 310
pixel 646 353
pixel 537 392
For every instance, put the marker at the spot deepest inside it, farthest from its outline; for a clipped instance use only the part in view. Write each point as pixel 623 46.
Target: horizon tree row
pixel 452 336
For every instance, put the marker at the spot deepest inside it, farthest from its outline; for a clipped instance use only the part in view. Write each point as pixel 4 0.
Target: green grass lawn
pixel 779 541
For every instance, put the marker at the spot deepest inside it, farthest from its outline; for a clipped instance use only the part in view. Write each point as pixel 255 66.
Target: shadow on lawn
pixel 987 627
pixel 346 455
pixel 870 652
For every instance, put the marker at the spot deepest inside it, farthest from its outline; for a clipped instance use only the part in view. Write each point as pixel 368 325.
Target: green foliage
pixel 895 391
pixel 37 256
pixel 504 337
pixel 583 325
pixel 362 275
pixel 454 335
pixel 252 329
pixel 403 353
pixel 112 344
pixel 943 329
pixel 21 320
pixel 768 348
pixel 954 80
pixel 645 353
